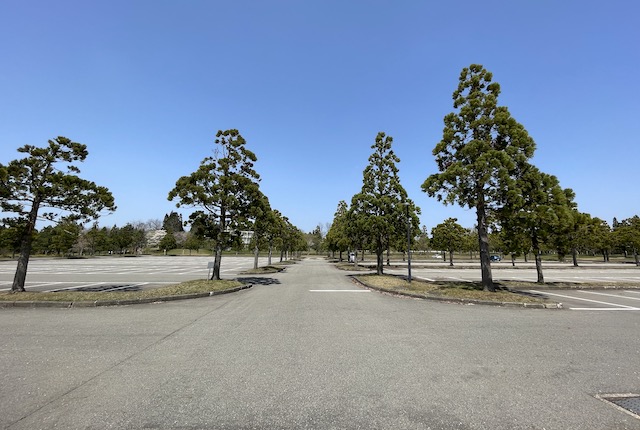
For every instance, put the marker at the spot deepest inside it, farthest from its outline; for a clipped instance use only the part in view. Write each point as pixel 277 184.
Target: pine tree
pixel 481 145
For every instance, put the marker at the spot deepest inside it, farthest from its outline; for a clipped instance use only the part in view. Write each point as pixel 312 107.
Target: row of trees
pixel 224 190
pixel 381 216
pixel 483 164
pixel 226 196
pixel 72 239
pixel 589 236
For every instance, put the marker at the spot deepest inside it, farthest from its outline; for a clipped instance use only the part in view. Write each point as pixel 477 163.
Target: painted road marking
pixel 610 295
pixel 616 306
pixel 27 287
pixel 340 291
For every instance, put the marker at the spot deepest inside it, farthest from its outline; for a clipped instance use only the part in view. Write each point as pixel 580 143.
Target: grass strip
pixel 447 289
pixel 189 287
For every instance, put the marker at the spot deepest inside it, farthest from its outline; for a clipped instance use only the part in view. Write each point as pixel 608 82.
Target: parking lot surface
pixel 587 288
pixel 120 273
pixel 309 350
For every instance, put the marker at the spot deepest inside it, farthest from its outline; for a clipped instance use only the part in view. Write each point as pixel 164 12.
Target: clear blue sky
pixel 147 84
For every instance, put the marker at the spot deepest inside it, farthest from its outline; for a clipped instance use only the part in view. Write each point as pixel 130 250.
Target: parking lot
pixel 119 273
pixel 611 288
pixel 615 287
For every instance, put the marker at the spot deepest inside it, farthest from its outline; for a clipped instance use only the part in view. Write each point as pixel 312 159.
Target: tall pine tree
pixel 480 146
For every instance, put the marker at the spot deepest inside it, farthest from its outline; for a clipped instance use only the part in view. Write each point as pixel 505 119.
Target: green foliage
pixel 627 236
pixel 46 179
pixel 97 239
pixel 423 243
pixel 449 236
pixel 224 188
pixel 168 242
pixel 337 238
pixel 172 222
pixel 379 212
pixel 480 147
pixel 537 208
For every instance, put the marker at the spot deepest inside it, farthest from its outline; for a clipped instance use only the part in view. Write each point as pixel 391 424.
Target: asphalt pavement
pixel 308 348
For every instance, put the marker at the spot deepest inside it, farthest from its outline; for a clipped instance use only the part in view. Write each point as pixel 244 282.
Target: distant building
pixel 246 237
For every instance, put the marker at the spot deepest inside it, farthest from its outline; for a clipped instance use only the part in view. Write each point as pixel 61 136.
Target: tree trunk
pixel 483 241
pixel 635 256
pixel 388 253
pixel 539 268
pixel 256 252
pixel 380 263
pixel 25 249
pixel 536 250
pixel 269 255
pixel 574 256
pixel 216 263
pixel 23 261
pixel 379 256
pixel 513 260
pixel 450 258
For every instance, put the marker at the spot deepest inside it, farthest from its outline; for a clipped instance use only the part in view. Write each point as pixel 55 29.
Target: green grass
pixel 457 290
pixel 189 287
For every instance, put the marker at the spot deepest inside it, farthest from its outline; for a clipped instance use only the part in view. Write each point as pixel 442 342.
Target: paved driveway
pixel 309 349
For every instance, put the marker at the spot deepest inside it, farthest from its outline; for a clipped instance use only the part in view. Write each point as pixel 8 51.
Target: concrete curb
pixel 461 301
pixel 87 304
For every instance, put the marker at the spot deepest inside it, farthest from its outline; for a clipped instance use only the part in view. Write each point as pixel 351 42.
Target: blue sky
pixel 147 84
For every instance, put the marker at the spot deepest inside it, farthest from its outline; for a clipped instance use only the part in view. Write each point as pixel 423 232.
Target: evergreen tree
pixel 380 207
pixel 448 236
pixel 481 145
pixel 172 222
pixel 39 182
pixel 224 188
pixel 337 237
pixel 536 207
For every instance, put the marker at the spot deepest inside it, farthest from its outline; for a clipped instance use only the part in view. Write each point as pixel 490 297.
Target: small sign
pixel 210 265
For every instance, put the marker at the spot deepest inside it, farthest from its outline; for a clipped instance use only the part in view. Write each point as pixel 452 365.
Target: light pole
pixel 408 242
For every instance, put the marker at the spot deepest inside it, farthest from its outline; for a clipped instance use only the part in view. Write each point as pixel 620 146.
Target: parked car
pixel 495 258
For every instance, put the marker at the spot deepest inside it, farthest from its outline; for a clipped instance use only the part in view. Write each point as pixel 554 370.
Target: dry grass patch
pixel 457 290
pixel 189 287
pixel 351 267
pixel 263 270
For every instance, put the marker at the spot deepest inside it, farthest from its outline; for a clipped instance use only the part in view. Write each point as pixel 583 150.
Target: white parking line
pixel 616 306
pixel 339 291
pixel 610 295
pixel 28 287
pixel 631 291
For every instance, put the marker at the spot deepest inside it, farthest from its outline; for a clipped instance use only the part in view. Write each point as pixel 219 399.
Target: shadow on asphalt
pixel 259 280
pixel 530 294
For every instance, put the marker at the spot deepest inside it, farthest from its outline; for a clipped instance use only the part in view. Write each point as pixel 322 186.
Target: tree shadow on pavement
pixel 259 281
